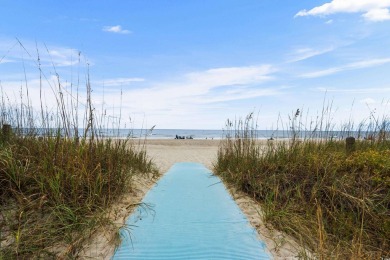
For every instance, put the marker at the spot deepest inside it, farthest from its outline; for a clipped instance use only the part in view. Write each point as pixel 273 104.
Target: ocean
pixel 184 133
pixel 195 133
pixel 217 134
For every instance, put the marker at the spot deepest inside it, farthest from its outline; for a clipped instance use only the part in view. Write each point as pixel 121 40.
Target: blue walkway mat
pixel 189 215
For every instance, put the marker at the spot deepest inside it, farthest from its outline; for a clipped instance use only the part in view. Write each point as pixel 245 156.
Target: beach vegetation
pixel 333 199
pixel 58 175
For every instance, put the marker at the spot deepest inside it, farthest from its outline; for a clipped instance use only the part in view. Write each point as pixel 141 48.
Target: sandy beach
pixel 164 154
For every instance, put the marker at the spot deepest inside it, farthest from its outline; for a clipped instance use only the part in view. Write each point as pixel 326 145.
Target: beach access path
pixel 189 214
pixel 165 153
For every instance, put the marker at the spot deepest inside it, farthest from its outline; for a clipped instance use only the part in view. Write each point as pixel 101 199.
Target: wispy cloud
pixel 306 53
pixel 373 10
pixel 85 19
pixel 350 66
pixel 4 60
pixel 212 78
pixel 202 86
pixel 193 99
pixel 192 92
pixel 356 90
pixel 116 29
pixel 16 89
pixel 60 57
pixel 49 55
pixel 117 81
pixel 368 101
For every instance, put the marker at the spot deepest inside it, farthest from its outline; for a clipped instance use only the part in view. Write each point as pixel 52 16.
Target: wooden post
pixel 382 135
pixel 350 144
pixel 6 132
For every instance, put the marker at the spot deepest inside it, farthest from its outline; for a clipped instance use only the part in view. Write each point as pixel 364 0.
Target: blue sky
pixel 193 64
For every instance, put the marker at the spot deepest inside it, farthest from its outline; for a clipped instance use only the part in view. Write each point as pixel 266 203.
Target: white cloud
pixel 115 29
pixel 368 101
pixel 356 90
pixel 117 81
pixel 377 15
pixel 240 95
pixel 60 56
pixel 203 86
pixel 373 10
pixel 85 19
pixel 189 95
pixel 49 55
pixel 306 53
pixel 48 86
pixel 230 76
pixel 4 60
pixel 350 66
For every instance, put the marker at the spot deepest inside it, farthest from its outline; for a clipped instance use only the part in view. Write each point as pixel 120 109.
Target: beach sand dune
pixel 165 153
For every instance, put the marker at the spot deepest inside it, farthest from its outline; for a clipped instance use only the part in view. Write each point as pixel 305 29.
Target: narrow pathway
pixel 191 216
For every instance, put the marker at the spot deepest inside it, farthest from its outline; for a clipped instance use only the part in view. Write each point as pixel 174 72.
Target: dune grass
pixel 55 191
pixel 58 178
pixel 334 201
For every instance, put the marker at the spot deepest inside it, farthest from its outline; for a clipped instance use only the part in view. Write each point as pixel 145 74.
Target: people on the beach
pixel 183 137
